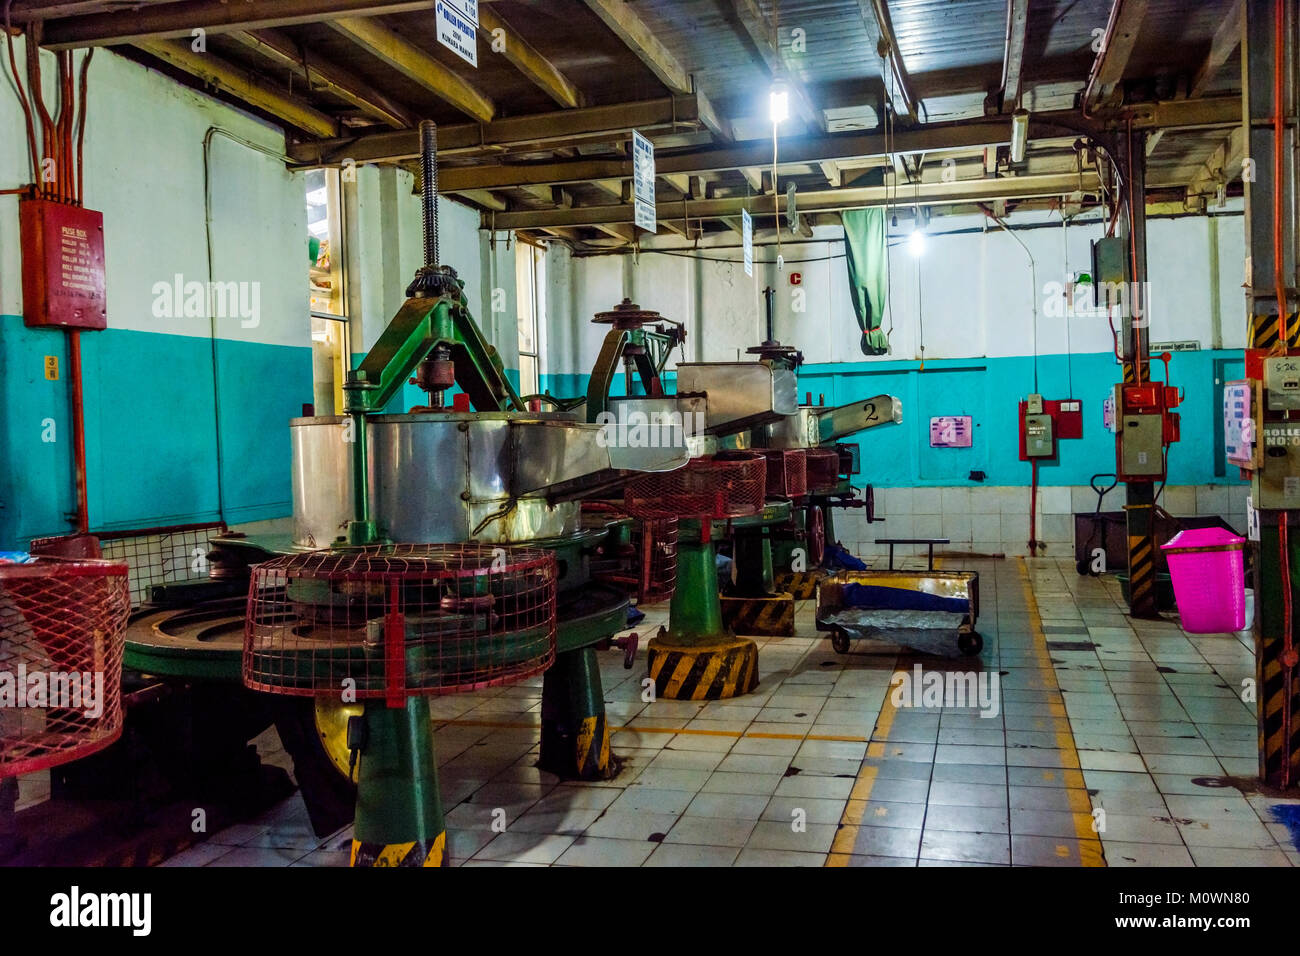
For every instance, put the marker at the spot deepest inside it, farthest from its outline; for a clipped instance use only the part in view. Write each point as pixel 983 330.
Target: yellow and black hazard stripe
pixel 711 672
pixel 414 854
pixel 766 616
pixel 592 757
pixel 1266 332
pixel 1141 575
pixel 801 584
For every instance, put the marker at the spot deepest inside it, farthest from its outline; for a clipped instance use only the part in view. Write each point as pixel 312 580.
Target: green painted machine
pixel 487 484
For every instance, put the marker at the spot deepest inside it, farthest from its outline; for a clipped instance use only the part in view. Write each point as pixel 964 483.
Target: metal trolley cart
pixel 930 611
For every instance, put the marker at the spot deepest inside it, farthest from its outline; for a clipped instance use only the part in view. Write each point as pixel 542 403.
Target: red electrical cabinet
pixel 63 265
pixel 1146 425
pixel 1044 422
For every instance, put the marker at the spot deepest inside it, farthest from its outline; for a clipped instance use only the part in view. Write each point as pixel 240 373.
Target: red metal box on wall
pixel 63 265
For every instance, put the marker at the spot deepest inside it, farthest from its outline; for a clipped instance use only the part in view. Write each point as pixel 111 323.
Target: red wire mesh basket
pixel 62 624
pixel 823 468
pixel 647 565
pixel 730 486
pixel 399 620
pixel 787 472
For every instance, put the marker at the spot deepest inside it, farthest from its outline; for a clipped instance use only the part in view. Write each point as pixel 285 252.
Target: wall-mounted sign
pixel 643 182
pixel 52 368
pixel 747 237
pixel 1238 424
pixel 1155 348
pixel 951 431
pixel 1108 413
pixel 456 30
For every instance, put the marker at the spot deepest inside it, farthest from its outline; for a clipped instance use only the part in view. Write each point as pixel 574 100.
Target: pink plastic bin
pixel 1207 569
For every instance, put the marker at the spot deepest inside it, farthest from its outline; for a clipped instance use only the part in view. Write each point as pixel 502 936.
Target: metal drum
pixel 492 477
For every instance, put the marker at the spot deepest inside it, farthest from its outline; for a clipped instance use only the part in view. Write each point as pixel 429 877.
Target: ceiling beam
pixel 768 44
pixel 1223 166
pixel 831 170
pixel 750 157
pixel 1013 57
pixel 487 200
pixel 532 64
pixel 1117 46
pixel 243 85
pixel 1226 39
pixel 283 50
pixel 621 18
pixel 827 200
pixel 161 20
pixel 756 155
pixel 875 16
pixel 417 64
pixel 541 129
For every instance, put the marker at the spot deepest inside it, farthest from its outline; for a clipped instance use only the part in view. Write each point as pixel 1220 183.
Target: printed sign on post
pixel 456 31
pixel 747 235
pixel 643 182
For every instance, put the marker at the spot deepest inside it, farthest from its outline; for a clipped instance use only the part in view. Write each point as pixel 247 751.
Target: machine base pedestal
pixel 770 616
pixel 801 584
pixel 727 667
pixel 575 732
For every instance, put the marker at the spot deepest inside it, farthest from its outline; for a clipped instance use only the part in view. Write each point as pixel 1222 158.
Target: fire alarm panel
pixel 63 265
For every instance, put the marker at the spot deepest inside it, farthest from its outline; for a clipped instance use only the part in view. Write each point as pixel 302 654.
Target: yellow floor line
pixel 1090 849
pixel 846 836
pixel 749 735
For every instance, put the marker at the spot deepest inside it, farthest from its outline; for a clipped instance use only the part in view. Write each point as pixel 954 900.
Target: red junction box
pixel 63 265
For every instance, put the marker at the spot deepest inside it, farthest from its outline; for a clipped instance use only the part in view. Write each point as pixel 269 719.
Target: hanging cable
pixel 17 83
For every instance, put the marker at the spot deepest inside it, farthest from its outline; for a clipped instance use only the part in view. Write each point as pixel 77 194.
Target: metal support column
pixel 1139 506
pixel 1270 101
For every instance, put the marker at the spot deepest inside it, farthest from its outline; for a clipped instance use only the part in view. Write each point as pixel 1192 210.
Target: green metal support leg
pixel 399 812
pixel 695 615
pixel 698 658
pixel 575 733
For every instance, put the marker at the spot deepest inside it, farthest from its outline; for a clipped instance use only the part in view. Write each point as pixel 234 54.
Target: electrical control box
pixel 1282 383
pixel 1141 445
pixel 1145 424
pixel 1044 422
pixel 1109 267
pixel 62 265
pixel 1276 483
pixel 1039 439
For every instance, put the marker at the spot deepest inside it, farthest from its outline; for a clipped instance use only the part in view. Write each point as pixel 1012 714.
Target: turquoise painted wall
pixel 989 390
pixel 151 427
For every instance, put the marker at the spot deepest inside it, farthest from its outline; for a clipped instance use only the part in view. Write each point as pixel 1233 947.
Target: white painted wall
pixel 971 294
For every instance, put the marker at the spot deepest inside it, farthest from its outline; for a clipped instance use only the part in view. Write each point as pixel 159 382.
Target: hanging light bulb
pixel 916 241
pixel 779 104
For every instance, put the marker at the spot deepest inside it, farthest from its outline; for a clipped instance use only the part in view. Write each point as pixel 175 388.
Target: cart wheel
pixel 840 642
pixel 970 643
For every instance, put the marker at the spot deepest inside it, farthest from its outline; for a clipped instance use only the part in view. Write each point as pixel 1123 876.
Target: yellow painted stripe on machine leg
pixel 1090 849
pixel 679 675
pixel 710 673
pixel 847 835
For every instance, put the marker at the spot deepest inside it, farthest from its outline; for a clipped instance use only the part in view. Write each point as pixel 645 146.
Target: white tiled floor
pixel 1098 713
